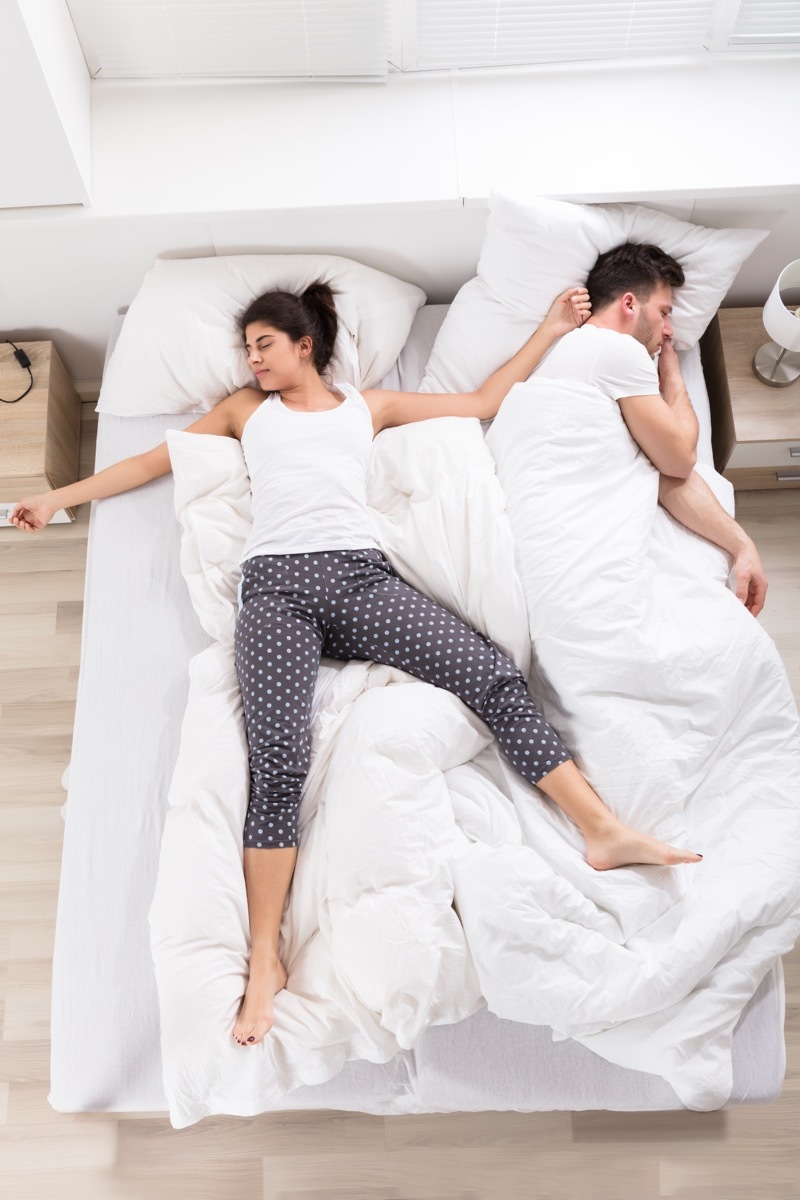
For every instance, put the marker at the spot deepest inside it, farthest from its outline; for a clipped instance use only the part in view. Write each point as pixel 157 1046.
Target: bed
pixel 139 634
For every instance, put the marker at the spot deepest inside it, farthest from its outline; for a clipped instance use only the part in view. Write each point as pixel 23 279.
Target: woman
pixel 314 582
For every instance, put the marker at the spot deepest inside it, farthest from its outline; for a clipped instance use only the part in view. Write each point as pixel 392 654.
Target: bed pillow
pixel 179 349
pixel 533 251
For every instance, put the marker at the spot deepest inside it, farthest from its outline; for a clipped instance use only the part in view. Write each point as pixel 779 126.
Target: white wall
pixel 45 98
pixel 70 276
pixel 590 133
pixel 59 52
pixel 396 176
pixel 703 129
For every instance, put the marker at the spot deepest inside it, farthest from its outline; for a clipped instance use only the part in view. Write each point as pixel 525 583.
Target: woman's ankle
pixel 265 953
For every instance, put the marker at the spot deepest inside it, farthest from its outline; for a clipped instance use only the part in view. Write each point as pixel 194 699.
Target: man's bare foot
pixel 614 845
pixel 267 977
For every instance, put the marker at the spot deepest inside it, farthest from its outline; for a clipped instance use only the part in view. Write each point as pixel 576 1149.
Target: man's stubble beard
pixel 644 333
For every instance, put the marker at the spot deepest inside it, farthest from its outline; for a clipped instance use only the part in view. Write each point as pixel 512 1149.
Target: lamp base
pixel 775 366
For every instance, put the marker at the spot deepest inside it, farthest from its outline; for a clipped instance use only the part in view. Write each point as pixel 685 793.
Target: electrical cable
pixel 25 363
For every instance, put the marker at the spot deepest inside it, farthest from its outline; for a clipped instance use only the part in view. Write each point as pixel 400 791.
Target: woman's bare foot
pixel 267 977
pixel 615 845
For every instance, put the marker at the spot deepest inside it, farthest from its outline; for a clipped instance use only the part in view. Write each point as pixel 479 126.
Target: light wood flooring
pixel 748 1153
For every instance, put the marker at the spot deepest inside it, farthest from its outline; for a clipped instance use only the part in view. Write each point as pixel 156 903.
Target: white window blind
pixel 361 39
pixel 302 39
pixel 472 33
pixel 766 23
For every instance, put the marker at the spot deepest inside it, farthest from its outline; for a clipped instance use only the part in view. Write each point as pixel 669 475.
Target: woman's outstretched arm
pixel 568 311
pixel 33 512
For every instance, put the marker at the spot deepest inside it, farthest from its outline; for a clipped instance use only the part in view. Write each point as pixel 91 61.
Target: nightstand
pixel 39 436
pixel 755 428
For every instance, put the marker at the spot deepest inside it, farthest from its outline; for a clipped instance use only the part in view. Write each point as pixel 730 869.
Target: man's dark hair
pixel 636 267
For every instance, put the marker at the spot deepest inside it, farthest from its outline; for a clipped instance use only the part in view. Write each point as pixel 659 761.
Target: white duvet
pixel 431 880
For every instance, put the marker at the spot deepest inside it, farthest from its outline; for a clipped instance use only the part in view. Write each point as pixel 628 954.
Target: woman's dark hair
pixel 313 314
pixel 632 267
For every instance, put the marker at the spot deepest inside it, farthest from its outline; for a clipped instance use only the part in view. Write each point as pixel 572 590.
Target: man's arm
pixel 692 502
pixel 667 432
pixel 674 393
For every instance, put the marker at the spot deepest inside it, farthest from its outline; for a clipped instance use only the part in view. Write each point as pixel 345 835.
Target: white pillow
pixel 180 350
pixel 533 251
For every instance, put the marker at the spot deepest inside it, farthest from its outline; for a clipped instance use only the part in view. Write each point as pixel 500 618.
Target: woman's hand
pixel 32 513
pixel 568 311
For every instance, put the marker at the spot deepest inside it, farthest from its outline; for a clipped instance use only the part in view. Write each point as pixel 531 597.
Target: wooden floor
pixel 742 1154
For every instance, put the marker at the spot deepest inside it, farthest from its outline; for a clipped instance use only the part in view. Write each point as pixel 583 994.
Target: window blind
pixel 471 33
pixel 275 38
pixel 766 23
pixel 360 39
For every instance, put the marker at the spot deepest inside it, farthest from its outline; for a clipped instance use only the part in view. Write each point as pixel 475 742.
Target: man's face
pixel 653 322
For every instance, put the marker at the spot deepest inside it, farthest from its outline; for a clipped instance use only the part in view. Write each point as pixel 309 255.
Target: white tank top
pixel 308 474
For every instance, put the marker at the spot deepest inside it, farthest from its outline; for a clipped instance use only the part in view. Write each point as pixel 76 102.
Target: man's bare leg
pixel 267 875
pixel 609 843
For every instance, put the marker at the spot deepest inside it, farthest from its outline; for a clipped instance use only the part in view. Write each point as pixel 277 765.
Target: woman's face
pixel 276 360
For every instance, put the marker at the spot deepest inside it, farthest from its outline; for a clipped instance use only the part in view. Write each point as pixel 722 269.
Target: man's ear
pixel 629 304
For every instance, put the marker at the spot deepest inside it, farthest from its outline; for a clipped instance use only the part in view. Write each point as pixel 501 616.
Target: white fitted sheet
pixel 139 633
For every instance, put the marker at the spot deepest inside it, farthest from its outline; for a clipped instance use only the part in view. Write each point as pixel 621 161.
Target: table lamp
pixel 777 362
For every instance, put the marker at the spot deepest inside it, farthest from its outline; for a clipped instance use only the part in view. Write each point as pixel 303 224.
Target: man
pixel 631 292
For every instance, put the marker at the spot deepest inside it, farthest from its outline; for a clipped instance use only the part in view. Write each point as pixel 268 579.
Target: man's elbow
pixel 679 463
pixel 688 463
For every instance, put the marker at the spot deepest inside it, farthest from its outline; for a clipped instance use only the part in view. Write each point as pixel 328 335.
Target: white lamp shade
pixel 782 325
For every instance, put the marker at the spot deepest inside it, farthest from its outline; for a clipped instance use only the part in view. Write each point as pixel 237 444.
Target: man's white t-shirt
pixel 615 363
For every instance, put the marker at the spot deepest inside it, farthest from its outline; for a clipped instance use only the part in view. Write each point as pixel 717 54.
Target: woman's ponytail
pixel 318 300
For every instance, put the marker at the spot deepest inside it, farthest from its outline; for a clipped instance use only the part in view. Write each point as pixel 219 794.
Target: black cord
pixel 25 363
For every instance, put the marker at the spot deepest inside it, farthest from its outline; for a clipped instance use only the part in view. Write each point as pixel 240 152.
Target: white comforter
pixel 431 880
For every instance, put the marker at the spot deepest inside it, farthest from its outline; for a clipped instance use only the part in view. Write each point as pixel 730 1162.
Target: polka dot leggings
pixel 350 604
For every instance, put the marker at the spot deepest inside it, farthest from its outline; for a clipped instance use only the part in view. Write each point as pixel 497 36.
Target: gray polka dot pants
pixel 350 604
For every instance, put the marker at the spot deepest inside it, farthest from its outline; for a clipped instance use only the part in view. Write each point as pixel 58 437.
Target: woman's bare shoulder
pixel 245 395
pixel 239 407
pixel 229 416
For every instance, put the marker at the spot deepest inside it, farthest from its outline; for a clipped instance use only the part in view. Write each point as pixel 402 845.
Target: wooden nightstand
pixel 39 436
pixel 755 428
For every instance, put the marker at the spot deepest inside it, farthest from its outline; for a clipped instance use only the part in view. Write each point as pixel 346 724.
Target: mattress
pixel 139 634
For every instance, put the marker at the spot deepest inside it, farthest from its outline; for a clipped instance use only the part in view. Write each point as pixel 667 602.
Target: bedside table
pixel 755 428
pixel 39 435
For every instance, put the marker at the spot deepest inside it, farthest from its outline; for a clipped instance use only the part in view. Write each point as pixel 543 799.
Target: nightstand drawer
pixel 765 454
pixel 751 479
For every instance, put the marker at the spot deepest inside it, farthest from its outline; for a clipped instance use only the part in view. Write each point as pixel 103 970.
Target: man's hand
pixel 692 502
pixel 568 311
pixel 751 581
pixel 669 370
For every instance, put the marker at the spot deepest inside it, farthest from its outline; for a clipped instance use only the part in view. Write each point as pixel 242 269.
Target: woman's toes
pixel 251 1035
pixel 255 1018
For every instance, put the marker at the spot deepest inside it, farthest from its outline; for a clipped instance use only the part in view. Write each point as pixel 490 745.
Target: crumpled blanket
pixel 431 880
